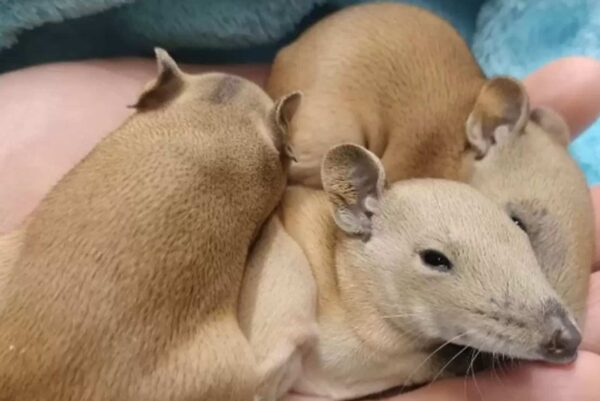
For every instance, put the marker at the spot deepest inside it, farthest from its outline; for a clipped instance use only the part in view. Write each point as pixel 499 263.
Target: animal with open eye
pixel 351 290
pixel 407 88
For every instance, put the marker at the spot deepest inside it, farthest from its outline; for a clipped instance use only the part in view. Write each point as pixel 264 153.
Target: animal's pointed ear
pixel 552 123
pixel 354 180
pixel 501 109
pixel 284 110
pixel 165 86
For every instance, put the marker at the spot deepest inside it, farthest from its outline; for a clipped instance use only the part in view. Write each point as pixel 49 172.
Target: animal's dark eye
pixel 519 222
pixel 436 260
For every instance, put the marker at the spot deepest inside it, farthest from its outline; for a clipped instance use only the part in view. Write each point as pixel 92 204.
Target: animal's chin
pixel 565 360
pixel 496 346
pixel 470 360
pixel 486 353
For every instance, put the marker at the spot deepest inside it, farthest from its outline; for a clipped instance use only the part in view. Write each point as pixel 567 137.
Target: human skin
pixel 52 115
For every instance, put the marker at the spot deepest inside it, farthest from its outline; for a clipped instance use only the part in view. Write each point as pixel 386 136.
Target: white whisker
pixel 431 356
pixel 449 362
pixel 494 370
pixel 473 373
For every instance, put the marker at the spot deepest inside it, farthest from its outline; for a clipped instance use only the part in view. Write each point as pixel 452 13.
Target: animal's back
pixel 391 77
pixel 126 282
pixel 142 188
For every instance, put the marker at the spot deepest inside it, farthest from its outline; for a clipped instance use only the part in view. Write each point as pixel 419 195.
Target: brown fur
pixel 365 72
pixel 401 81
pixel 124 283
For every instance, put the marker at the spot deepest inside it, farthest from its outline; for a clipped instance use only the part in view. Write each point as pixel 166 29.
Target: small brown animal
pixel 401 82
pixel 123 284
pixel 395 272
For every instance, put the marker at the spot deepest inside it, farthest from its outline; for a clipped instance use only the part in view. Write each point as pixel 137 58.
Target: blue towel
pixel 511 37
pixel 516 37
pixel 210 31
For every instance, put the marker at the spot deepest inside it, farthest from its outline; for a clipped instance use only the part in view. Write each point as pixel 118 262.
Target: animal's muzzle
pixel 562 341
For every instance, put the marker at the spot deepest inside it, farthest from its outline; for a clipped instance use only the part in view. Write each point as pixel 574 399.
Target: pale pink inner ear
pixel 502 106
pixel 354 179
pixel 281 115
pixel 552 123
pixel 286 108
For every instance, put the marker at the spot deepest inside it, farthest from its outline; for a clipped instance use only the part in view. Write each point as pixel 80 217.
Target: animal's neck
pixel 305 214
pixel 358 351
pixel 343 305
pixel 365 305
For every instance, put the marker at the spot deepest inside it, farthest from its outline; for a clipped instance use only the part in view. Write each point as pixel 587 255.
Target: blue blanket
pixel 511 37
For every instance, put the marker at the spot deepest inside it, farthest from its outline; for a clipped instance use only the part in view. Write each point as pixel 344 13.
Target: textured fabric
pixel 516 37
pixel 19 15
pixel 208 31
pixel 511 37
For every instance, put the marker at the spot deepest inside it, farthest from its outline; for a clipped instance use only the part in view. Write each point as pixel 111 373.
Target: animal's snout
pixel 560 346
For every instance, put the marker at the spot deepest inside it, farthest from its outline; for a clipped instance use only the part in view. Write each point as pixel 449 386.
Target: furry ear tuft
pixel 284 110
pixel 354 179
pixel 164 87
pixel 502 108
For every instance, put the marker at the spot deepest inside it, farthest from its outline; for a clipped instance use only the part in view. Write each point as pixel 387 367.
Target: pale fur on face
pixel 381 308
pixel 495 297
pixel 410 90
pixel 527 171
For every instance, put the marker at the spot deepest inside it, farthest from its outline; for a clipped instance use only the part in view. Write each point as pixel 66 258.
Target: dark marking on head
pixel 479 312
pixel 545 235
pixel 226 89
pixel 552 307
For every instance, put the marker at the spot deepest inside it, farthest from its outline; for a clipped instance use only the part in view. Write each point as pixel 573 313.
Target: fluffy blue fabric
pixel 516 37
pixel 508 36
pixel 19 15
pixel 193 30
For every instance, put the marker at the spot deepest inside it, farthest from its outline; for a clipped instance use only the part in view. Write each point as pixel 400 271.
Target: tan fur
pixel 377 326
pixel 402 82
pixel 10 248
pixel 365 72
pixel 278 309
pixel 127 277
